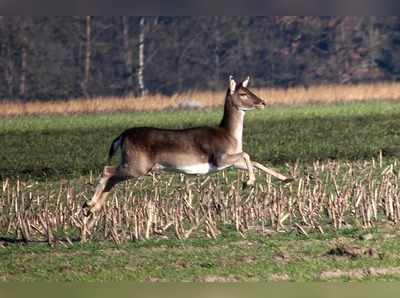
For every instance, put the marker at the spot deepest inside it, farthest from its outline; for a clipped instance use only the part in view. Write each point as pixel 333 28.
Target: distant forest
pixel 44 58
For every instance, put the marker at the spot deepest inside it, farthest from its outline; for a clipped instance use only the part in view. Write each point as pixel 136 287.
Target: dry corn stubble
pixel 334 195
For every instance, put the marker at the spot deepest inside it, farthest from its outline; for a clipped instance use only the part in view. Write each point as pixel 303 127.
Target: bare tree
pixel 22 83
pixel 128 53
pixel 24 57
pixel 217 60
pixel 88 54
pixel 140 72
pixel 6 58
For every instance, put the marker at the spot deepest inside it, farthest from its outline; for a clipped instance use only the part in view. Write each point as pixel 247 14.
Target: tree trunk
pixel 128 56
pixel 142 88
pixel 9 74
pixel 217 60
pixel 8 61
pixel 374 40
pixel 24 63
pixel 88 54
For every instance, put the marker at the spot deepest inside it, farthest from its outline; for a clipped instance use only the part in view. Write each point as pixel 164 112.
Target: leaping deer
pixel 199 150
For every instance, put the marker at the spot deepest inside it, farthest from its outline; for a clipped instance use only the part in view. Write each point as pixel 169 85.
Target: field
pixel 337 220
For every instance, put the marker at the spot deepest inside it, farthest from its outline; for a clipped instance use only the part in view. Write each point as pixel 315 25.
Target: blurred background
pixel 51 58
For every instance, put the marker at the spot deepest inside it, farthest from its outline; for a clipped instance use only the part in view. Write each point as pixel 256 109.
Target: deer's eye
pixel 242 94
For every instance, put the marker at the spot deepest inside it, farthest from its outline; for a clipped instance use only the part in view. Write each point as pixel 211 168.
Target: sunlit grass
pixel 205 99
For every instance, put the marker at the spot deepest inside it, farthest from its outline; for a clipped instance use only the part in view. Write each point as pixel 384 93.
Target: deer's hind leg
pixel 107 181
pixel 110 177
pixel 133 164
pixel 138 166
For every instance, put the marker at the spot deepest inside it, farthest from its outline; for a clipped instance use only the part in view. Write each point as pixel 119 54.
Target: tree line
pixel 45 58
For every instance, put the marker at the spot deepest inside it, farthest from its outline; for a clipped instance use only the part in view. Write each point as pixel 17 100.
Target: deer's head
pixel 242 97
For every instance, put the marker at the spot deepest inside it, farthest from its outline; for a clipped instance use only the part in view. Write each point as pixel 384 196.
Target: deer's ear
pixel 232 85
pixel 246 82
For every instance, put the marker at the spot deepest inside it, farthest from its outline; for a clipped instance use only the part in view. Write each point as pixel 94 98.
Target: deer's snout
pixel 261 104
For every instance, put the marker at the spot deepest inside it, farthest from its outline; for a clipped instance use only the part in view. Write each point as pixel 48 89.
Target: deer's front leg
pixel 271 172
pixel 243 166
pixel 237 161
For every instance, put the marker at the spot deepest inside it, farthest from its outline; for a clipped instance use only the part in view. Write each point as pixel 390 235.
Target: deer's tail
pixel 115 145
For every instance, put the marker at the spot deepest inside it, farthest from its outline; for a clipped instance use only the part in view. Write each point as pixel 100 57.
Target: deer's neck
pixel 232 121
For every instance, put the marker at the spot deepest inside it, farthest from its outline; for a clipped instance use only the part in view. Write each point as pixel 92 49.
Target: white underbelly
pixel 201 169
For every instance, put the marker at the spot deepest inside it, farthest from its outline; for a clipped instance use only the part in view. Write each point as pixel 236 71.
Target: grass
pixel 286 256
pixel 69 146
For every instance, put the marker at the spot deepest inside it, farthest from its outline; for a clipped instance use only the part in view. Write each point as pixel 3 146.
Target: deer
pixel 193 151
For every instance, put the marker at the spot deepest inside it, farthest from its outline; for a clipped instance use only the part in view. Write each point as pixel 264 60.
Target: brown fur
pixel 175 147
